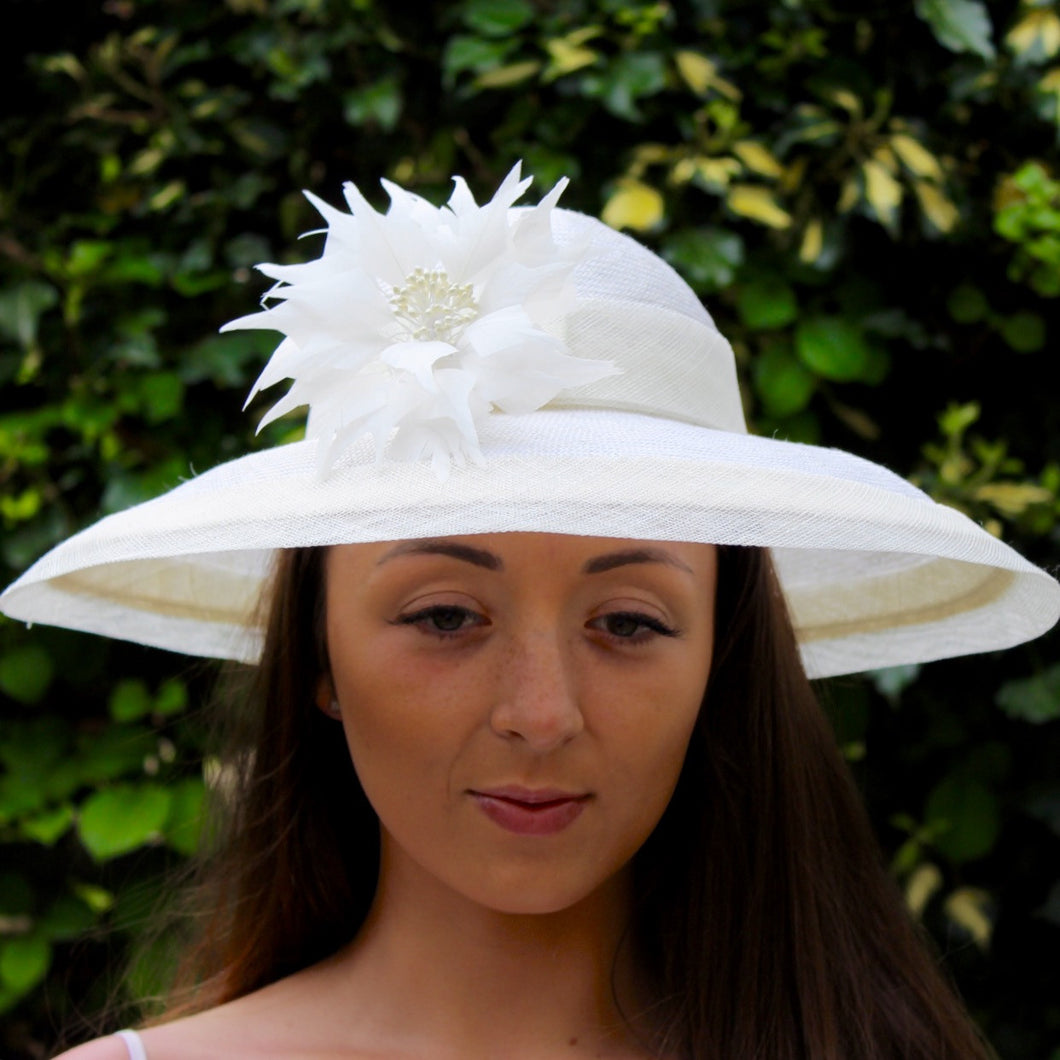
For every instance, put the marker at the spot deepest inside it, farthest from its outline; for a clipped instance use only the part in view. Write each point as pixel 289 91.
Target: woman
pixel 521 559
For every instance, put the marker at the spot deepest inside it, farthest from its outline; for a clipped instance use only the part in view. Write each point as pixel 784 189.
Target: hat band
pixel 671 365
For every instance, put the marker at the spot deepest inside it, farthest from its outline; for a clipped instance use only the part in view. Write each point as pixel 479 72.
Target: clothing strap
pixel 133 1044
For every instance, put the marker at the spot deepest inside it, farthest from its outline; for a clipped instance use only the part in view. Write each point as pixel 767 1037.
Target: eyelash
pixel 423 619
pixel 426 620
pixel 649 626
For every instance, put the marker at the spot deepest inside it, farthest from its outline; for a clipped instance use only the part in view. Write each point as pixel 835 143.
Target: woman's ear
pixel 325 697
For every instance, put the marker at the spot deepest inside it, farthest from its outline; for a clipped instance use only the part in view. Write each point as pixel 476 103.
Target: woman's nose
pixel 536 696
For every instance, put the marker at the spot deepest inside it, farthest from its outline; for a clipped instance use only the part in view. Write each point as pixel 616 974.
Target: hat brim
pixel 875 573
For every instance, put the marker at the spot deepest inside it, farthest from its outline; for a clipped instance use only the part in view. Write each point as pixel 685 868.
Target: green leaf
pixel 172 697
pixel 48 827
pixel 628 78
pixel 497 18
pixel 16 895
pixel 21 308
pixel 833 347
pixel 1035 699
pixel 120 819
pixel 706 257
pixel 1024 331
pixel 98 899
pixel 967 304
pixel 782 382
pixel 184 823
pixel 960 25
pixel 26 673
pixel 66 918
pixel 766 303
pixel 224 359
pixel 162 394
pixel 129 700
pixel 38 766
pixel 113 752
pixel 473 53
pixel 24 961
pixel 966 816
pixel 87 256
pixel 378 103
pixel 125 489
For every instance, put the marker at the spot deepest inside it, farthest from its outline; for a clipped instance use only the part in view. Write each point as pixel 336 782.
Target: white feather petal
pixel 414 325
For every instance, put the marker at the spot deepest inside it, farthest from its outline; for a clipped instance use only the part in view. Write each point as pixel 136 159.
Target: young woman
pixel 531 766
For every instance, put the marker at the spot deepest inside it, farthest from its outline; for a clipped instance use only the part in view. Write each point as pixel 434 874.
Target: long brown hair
pixel 762 912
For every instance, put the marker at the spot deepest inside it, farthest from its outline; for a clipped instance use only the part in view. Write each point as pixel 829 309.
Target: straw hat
pixel 475 369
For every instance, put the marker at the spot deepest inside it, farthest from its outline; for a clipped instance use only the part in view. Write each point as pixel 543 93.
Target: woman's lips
pixel 530 812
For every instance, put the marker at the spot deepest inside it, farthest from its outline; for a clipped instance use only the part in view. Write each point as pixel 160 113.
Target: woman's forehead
pixel 498 551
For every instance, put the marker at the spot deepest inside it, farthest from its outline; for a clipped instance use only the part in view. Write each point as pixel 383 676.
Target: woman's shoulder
pixel 109 1048
pixel 283 1019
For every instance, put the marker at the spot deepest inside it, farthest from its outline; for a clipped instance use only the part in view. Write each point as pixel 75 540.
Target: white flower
pixel 415 324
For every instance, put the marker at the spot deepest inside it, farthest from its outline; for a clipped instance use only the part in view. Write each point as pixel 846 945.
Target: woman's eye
pixel 442 620
pixel 633 626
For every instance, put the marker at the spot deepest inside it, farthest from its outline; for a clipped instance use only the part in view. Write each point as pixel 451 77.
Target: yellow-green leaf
pixel 936 206
pixel 847 100
pixel 793 174
pixel 883 192
pixel 885 156
pixel 1036 37
pixel 812 242
pixel 916 157
pixel 633 204
pixel 651 154
pixel 714 171
pixel 568 53
pixel 1013 498
pixel 147 161
pixel 849 195
pixel 968 908
pixel 697 70
pixel 506 76
pixel 166 196
pixel 925 880
pixel 759 204
pixel 701 75
pixel 757 158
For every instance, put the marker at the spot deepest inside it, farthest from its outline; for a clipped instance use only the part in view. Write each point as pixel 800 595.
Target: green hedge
pixel 867 198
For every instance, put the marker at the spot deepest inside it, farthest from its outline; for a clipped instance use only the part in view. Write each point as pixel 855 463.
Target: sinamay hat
pixel 498 368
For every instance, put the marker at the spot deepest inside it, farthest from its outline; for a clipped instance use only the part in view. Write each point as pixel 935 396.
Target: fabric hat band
pixel 692 378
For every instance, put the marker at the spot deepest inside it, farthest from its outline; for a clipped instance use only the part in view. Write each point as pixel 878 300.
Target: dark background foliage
pixel 866 196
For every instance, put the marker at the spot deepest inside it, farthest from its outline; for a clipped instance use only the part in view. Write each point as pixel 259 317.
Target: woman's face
pixel 518 706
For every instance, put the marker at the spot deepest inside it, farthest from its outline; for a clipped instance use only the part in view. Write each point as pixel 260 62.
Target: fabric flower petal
pixel 414 325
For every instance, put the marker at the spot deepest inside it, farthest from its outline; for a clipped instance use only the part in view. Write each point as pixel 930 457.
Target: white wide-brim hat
pixel 487 369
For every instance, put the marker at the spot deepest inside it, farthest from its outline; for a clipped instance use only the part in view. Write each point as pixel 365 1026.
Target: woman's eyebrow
pixel 478 556
pixel 634 555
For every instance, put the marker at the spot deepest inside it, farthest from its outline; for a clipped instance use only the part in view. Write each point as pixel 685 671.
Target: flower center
pixel 432 307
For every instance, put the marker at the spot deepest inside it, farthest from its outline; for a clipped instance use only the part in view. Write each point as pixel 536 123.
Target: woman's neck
pixel 434 968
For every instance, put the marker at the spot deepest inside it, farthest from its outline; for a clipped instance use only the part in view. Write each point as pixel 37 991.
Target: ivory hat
pixel 475 369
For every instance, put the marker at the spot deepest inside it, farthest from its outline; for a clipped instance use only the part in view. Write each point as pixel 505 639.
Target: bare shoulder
pixel 296 1016
pixel 110 1048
